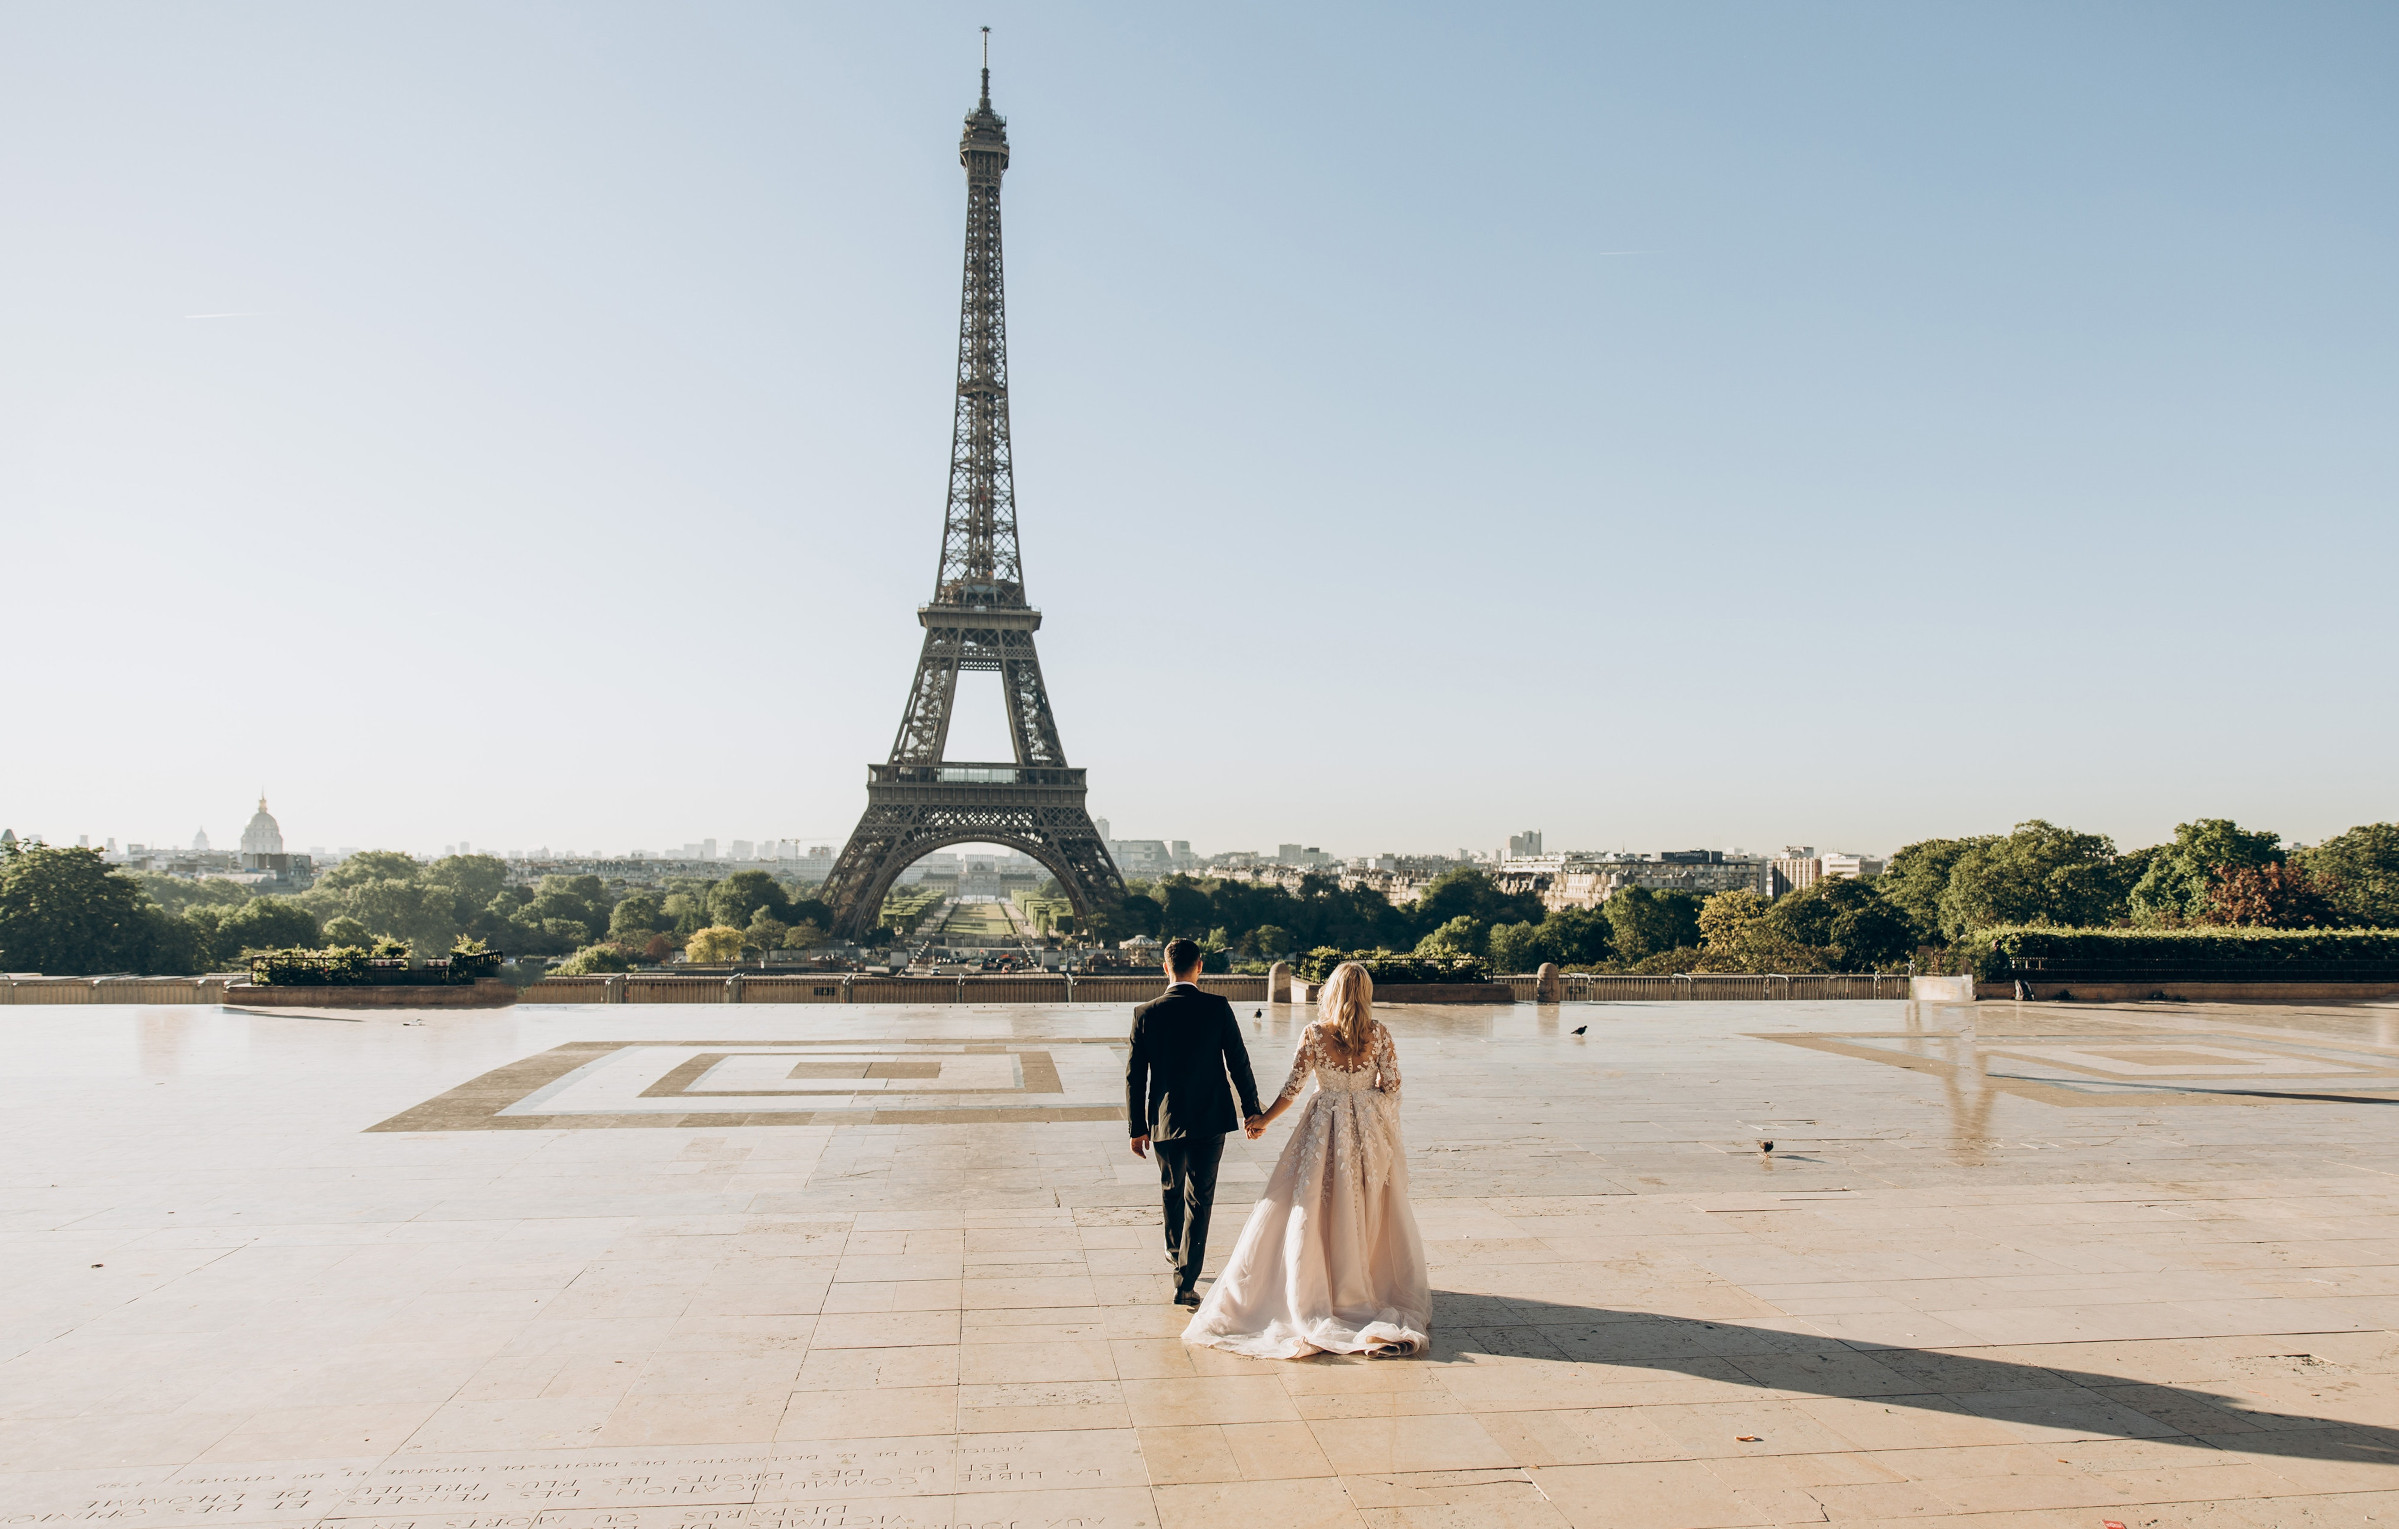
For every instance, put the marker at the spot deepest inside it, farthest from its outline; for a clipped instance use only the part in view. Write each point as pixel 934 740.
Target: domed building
pixel 264 836
pixel 262 856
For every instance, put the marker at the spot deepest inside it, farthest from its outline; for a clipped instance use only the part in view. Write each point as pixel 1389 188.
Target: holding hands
pixel 1254 1127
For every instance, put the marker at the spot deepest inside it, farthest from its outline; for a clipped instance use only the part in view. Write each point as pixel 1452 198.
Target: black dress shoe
pixel 1186 1298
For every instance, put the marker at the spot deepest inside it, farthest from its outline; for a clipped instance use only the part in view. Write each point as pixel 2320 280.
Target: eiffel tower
pixel 979 620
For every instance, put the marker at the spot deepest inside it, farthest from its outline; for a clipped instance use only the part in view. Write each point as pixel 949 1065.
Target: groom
pixel 1177 1102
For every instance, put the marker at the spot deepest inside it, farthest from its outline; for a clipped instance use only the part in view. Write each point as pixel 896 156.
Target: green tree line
pixel 65 912
pixel 1933 893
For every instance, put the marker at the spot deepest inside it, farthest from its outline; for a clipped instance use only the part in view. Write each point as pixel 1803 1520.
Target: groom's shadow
pixel 1471 1329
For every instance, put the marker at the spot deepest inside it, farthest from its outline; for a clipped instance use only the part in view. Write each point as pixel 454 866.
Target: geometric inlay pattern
pixel 619 1084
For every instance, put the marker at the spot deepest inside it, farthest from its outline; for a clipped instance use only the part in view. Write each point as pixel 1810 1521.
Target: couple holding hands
pixel 1330 1260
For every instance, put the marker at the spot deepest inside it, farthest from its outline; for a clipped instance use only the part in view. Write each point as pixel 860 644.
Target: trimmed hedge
pixel 2190 955
pixel 1392 968
pixel 386 965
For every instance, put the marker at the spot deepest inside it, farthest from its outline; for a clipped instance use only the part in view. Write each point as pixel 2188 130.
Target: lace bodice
pixel 1378 1070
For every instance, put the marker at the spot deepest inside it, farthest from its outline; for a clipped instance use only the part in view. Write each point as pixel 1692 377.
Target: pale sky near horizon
pixel 1657 425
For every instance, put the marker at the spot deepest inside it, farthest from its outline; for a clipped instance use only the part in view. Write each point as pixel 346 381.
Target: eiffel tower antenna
pixel 976 620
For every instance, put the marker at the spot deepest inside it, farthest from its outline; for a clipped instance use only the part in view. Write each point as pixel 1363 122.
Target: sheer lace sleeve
pixel 1301 1061
pixel 1386 1060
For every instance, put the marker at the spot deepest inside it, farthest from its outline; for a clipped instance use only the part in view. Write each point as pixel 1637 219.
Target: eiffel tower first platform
pixel 978 619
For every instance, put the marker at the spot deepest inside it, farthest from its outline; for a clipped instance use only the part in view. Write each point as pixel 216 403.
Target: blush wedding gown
pixel 1330 1260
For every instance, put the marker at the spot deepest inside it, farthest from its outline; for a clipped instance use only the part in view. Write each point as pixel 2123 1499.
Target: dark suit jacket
pixel 1183 1045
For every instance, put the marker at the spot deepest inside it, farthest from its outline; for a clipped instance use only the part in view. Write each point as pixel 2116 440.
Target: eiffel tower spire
pixel 976 620
pixel 979 560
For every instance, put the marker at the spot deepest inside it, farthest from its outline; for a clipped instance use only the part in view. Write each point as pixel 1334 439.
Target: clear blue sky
pixel 1658 425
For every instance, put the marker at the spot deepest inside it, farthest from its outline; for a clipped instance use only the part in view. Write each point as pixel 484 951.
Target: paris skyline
pixel 1664 429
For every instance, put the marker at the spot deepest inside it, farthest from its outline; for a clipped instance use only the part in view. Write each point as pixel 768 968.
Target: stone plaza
pixel 666 1267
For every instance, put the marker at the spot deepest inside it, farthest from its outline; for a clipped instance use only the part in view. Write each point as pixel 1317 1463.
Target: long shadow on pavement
pixel 2076 1402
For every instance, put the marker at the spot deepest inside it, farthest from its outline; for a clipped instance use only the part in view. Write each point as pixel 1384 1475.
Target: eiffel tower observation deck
pixel 978 620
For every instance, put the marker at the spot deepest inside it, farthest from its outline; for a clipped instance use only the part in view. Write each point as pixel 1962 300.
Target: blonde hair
pixel 1346 1009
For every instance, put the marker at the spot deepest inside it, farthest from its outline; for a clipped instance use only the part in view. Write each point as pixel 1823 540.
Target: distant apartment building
pixel 1799 867
pixel 1587 881
pixel 813 864
pixel 1523 845
pixel 1142 859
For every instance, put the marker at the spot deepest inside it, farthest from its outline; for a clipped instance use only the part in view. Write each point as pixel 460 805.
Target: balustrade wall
pixel 839 987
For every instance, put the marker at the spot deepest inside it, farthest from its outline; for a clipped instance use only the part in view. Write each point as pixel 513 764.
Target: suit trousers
pixel 1187 1173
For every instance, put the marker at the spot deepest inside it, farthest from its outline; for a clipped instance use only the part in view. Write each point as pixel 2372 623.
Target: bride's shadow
pixel 1478 1329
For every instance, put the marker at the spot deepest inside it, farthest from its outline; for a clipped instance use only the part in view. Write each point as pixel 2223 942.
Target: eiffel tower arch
pixel 921 801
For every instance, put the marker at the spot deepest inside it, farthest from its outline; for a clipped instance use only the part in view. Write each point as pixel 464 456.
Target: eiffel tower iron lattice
pixel 978 620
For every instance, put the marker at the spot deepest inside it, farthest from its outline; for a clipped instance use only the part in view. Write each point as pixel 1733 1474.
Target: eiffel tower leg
pixel 1030 725
pixel 925 724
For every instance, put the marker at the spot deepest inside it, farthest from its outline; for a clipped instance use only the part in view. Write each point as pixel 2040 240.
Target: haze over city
pixel 1659 427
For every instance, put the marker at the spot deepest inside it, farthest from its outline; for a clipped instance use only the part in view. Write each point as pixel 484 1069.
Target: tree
pixel 64 912
pixel 1575 937
pixel 714 944
pixel 2361 870
pixel 594 959
pixel 578 901
pixel 1847 920
pixel 1743 935
pixel 1268 941
pixel 475 878
pixel 1133 915
pixel 807 934
pixel 1643 923
pixel 689 911
pixel 1186 909
pixel 345 930
pixel 2175 888
pixel 181 894
pixel 635 918
pixel 369 865
pixel 2280 895
pixel 1918 875
pixel 810 910
pixel 1514 947
pixel 739 898
pixel 2038 874
pixel 1464 935
pixel 426 917
pixel 266 923
pixel 1727 919
pixel 766 932
pixel 1469 891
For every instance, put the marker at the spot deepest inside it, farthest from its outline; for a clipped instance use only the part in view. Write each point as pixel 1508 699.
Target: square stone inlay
pixel 619 1084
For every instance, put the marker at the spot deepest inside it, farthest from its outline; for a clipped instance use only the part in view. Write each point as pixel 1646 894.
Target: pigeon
pixel 1257 1014
pixel 1579 1029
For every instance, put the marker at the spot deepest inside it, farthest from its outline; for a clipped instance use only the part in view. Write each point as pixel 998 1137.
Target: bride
pixel 1330 1260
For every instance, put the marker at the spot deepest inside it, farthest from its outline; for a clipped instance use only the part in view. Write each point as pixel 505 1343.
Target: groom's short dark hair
pixel 1182 955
